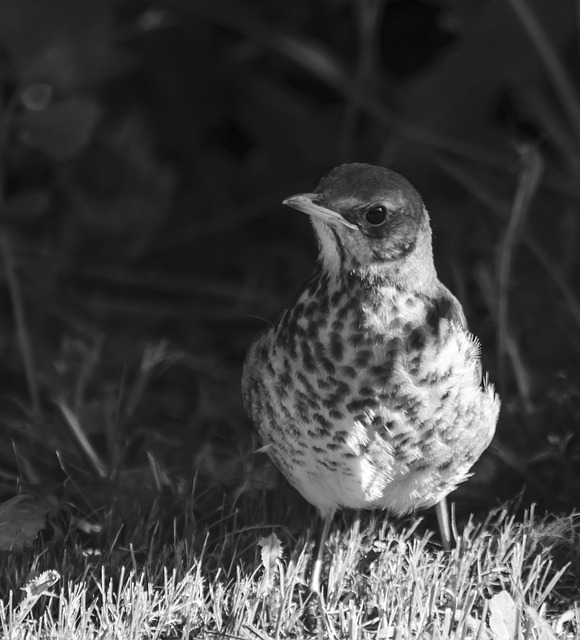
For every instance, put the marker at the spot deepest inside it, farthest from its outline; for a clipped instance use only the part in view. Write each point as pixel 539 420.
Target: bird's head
pixel 370 221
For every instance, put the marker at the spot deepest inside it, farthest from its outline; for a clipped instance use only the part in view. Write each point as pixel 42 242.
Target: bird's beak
pixel 305 202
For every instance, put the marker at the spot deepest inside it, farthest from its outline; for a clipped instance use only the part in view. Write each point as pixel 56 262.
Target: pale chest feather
pixel 334 345
pixel 355 394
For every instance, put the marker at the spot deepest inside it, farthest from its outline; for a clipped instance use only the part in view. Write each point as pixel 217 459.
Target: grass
pixel 505 579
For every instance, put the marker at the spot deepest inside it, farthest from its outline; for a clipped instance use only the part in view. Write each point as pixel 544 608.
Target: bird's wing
pixel 251 379
pixel 448 305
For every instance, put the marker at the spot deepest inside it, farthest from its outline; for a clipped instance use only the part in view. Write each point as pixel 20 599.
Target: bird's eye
pixel 376 215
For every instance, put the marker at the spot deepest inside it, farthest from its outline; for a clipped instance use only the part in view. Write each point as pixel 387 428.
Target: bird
pixel 367 392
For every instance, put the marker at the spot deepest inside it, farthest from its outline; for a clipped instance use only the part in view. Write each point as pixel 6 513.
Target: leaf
pixel 271 553
pixel 21 518
pixel 63 43
pixel 61 130
pixel 502 619
pixel 40 584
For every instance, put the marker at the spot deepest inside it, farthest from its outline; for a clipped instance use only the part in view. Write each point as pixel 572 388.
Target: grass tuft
pixel 381 582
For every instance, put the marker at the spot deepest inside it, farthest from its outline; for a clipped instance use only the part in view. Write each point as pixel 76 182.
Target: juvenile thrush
pixel 368 391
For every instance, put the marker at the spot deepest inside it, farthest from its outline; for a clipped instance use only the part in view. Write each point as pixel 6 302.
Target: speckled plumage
pixel 367 392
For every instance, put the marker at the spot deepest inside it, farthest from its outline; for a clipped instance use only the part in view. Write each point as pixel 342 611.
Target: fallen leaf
pixel 502 619
pixel 271 553
pixel 21 518
pixel 40 584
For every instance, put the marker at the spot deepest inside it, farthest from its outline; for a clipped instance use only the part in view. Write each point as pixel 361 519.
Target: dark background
pixel 145 149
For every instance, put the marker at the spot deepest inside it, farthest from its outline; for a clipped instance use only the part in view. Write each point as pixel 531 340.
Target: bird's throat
pixel 415 271
pixel 332 256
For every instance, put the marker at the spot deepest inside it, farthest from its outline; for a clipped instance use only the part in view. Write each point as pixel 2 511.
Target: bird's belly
pixel 384 428
pixel 367 464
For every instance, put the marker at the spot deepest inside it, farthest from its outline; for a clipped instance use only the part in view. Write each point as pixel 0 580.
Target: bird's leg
pixel 356 524
pixel 319 554
pixel 444 524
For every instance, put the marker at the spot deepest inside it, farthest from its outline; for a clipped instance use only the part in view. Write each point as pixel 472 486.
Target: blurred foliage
pixel 144 152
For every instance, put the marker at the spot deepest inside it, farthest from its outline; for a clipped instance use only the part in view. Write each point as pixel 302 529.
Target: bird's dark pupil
pixel 376 215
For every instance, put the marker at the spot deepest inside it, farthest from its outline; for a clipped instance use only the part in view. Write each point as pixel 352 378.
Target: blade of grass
pixel 22 333
pixel 556 73
pixel 7 113
pixel 368 13
pixel 528 183
pixel 498 208
pixel 82 439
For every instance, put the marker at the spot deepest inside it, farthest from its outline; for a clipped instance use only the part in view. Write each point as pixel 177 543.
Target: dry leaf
pixel 21 518
pixel 271 553
pixel 502 619
pixel 40 584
